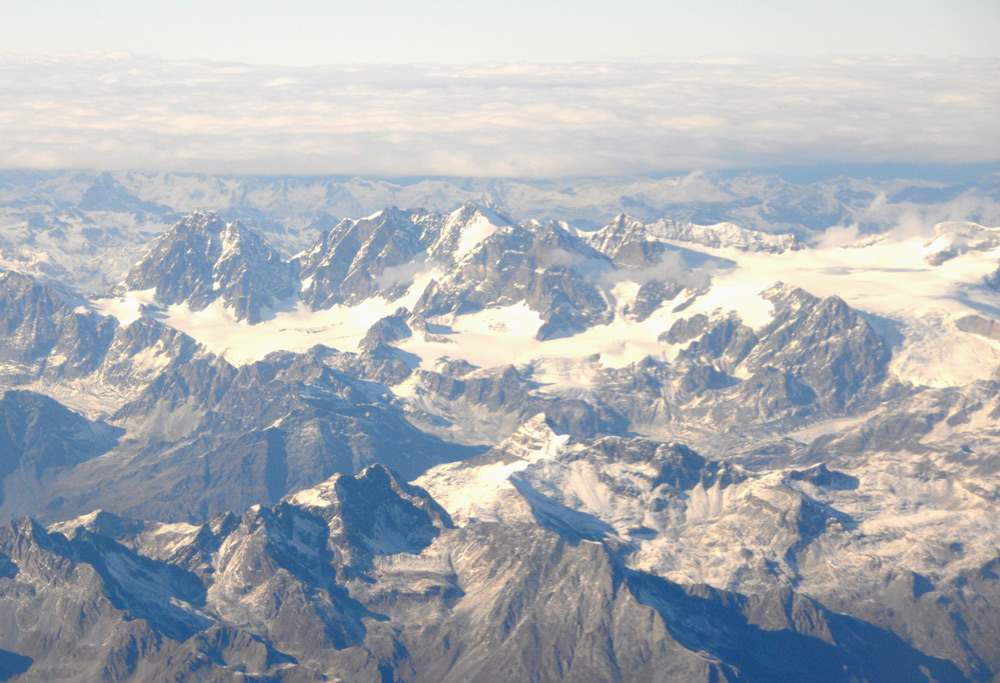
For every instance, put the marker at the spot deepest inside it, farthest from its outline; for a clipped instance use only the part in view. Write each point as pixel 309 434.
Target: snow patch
pixel 475 232
pixel 321 496
pixel 127 309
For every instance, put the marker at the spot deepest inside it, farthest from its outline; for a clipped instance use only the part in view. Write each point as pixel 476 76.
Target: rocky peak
pixel 537 438
pixel 373 513
pixel 826 345
pixel 361 258
pixel 203 259
pixel 385 331
pixel 954 238
pixel 44 332
pixel 612 237
pixel 723 235
pixel 464 229
pixel 546 266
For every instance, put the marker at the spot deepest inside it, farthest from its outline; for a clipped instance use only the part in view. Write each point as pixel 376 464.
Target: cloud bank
pixel 120 111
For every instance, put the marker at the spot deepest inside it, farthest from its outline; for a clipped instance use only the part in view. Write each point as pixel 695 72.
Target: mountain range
pixel 272 440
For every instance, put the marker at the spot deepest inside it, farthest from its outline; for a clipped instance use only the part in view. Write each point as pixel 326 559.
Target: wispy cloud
pixel 115 111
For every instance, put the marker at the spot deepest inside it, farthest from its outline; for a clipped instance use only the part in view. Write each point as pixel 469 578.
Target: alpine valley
pixel 700 428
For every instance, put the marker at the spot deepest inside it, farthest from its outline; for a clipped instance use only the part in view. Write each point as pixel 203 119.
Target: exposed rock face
pixel 724 235
pixel 38 437
pixel 49 341
pixel 367 579
pixel 953 239
pixel 202 259
pixel 357 259
pixel 547 267
pixel 814 357
pixel 651 296
pixel 631 457
pixel 257 432
pixel 42 332
pixel 463 230
pixel 828 346
pixel 634 246
pixel 387 330
pixel 626 242
pixel 977 324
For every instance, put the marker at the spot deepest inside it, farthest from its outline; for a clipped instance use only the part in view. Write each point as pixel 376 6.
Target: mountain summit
pixel 203 259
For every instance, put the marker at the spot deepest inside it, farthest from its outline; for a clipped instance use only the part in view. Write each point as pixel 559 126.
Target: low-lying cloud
pixel 114 111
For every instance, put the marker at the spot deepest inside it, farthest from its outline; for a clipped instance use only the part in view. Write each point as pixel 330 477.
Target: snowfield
pixel 913 303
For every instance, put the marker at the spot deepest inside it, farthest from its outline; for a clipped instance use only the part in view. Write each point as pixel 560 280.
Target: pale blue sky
pixel 314 32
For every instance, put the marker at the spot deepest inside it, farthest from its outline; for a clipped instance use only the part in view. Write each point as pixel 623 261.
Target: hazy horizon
pixel 117 111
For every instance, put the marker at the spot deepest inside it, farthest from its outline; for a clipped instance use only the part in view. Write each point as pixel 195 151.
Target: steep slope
pixel 39 437
pixel 257 432
pixel 203 259
pixel 547 267
pixel 350 262
pixel 819 503
pixel 92 362
pixel 886 540
pixel 44 227
pixel 366 579
pixel 44 333
pixel 724 236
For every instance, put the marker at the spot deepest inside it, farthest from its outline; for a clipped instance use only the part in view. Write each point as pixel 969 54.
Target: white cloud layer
pixel 118 111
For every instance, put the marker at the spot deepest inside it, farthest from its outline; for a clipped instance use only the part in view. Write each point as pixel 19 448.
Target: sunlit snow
pixel 914 303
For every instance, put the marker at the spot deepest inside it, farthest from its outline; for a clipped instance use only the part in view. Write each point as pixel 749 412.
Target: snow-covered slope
pixel 913 302
pixel 607 431
pixel 203 259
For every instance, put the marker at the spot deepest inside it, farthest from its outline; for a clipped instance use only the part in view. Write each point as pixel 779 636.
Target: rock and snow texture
pixel 952 239
pixel 365 578
pixel 464 229
pixel 203 259
pixel 882 537
pixel 723 235
pixel 653 442
pixel 359 259
pixel 489 292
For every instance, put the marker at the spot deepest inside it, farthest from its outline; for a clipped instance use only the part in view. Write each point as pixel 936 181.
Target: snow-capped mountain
pixel 365 577
pixel 454 445
pixel 357 259
pixel 87 229
pixel 202 259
